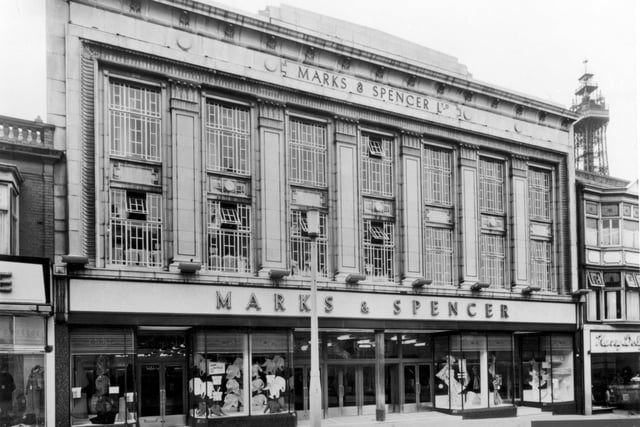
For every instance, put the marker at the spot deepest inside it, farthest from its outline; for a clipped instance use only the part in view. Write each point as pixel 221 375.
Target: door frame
pixel 162 419
pixel 418 405
pixel 359 408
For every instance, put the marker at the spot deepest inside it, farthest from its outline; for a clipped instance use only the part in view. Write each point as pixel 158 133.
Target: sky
pixel 535 47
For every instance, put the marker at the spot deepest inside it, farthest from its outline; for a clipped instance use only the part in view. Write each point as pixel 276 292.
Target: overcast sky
pixel 536 47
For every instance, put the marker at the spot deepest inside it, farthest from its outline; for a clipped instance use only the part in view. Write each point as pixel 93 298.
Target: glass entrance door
pixel 351 390
pixel 162 394
pixel 417 387
pixel 162 380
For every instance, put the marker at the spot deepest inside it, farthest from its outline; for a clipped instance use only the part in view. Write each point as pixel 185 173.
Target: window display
pixel 102 384
pixel 547 368
pixel 615 380
pixel 271 379
pixel 22 389
pixel 562 368
pixel 22 372
pixel 473 371
pixel 217 381
pixel 226 380
pixel 500 381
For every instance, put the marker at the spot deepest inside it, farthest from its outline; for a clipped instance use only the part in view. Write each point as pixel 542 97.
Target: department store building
pixel 198 139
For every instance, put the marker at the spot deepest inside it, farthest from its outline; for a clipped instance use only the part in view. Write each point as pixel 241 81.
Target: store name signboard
pixel 433 308
pixel 208 299
pixel 615 342
pixel 22 282
pixel 371 90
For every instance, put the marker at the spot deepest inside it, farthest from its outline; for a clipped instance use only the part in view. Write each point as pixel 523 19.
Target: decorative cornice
pixel 519 161
pixel 469 151
pixel 411 140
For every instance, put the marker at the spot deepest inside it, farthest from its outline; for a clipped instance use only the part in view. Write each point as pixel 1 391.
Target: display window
pixel 218 384
pixel 500 370
pixel 103 380
pixel 22 387
pixel 22 371
pixel 615 380
pixel 271 377
pixel 235 373
pixel 473 371
pixel 547 369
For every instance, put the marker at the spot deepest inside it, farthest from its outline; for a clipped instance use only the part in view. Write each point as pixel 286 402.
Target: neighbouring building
pixel 198 138
pixel 609 259
pixel 609 262
pixel 27 194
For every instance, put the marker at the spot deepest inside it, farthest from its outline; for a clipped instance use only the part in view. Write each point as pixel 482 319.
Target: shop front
pixel 615 369
pixel 25 354
pixel 239 355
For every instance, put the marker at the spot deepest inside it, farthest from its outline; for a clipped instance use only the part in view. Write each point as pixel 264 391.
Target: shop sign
pixel 22 283
pixel 168 298
pixel 373 91
pixel 615 342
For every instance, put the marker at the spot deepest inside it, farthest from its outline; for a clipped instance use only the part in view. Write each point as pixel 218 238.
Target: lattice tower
pixel 590 131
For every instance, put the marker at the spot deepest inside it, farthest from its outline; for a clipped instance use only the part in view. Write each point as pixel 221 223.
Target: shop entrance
pixel 162 380
pixel 417 387
pixel 351 390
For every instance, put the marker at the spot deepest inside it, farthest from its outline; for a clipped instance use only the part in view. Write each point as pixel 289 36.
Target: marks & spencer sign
pixel 207 299
pixel 351 86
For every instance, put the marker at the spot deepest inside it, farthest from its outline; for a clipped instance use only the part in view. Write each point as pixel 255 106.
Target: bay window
pixel 8 219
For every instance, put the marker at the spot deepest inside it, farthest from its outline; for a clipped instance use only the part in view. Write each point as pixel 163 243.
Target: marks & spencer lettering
pixel 379 92
pixel 473 310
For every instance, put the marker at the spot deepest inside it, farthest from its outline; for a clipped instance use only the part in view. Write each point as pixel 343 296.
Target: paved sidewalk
pixel 438 419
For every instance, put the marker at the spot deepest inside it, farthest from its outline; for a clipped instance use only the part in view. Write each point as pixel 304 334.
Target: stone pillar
pixel 272 188
pixel 380 378
pixel 520 197
pixel 185 172
pixel 411 202
pixel 346 203
pixel 468 216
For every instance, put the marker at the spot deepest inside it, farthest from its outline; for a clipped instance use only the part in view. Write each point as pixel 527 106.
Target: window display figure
pixel 34 395
pixel 538 379
pixel 472 385
pixel 447 376
pixel 495 381
pixel 7 386
pixel 104 405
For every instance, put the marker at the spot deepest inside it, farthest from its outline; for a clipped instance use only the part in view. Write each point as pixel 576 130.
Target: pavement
pixel 526 417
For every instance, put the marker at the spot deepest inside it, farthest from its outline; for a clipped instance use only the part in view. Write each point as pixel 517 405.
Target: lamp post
pixel 315 395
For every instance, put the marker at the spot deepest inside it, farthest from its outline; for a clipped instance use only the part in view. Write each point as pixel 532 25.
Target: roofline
pixel 263 24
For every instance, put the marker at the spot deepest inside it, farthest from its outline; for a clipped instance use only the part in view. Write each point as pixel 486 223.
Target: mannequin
pixel 7 386
pixel 34 391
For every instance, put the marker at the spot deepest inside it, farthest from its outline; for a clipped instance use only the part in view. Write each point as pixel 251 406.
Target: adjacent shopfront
pixel 205 352
pixel 25 354
pixel 615 368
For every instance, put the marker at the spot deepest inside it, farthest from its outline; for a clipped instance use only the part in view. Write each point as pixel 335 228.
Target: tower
pixel 590 131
